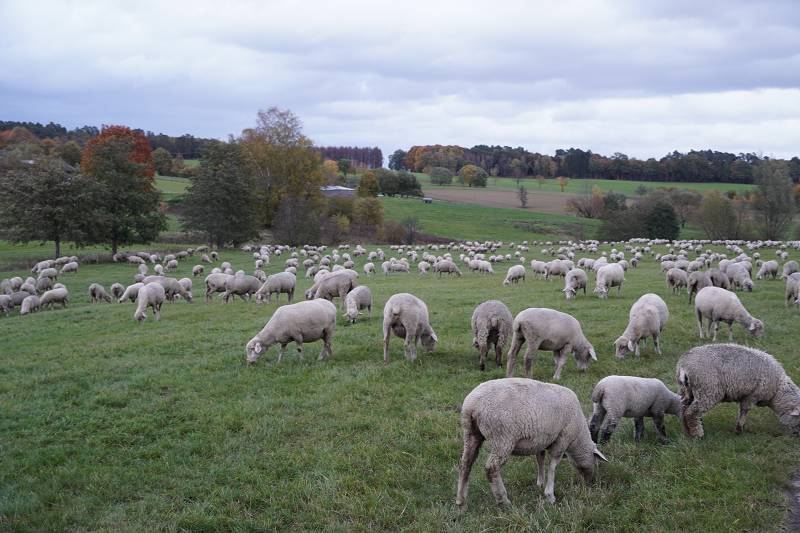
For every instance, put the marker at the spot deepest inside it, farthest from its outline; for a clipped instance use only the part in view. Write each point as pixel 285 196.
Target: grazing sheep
pixel 31 304
pixel 768 268
pixel 186 283
pixel 6 304
pixel 514 275
pixel 616 397
pixel 556 267
pixel 117 290
pixel 789 268
pixel 282 282
pixel 54 296
pixel 445 266
pixel 539 268
pixel 48 273
pixel 98 293
pixel 740 277
pixel 575 280
pixel 676 279
pixel 143 268
pixel 792 284
pixel 197 270
pixel 369 268
pixel 172 287
pixel 697 281
pixel 719 305
pixel 172 264
pixel 356 300
pixel 215 283
pixel 719 279
pixel 407 316
pixel 423 267
pixel 335 284
pixel 205 259
pixel 491 324
pixel 524 417
pixel 647 318
pixel 151 295
pixel 708 375
pixel 240 285
pixel 548 329
pixel 131 292
pixel 609 276
pixel 301 322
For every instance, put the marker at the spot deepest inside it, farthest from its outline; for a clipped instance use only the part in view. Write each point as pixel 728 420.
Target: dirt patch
pixel 542 203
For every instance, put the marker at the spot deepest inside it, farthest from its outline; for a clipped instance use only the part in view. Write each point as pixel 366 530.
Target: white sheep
pixel 280 283
pixel 6 304
pixel 301 322
pixel 647 318
pixel 31 304
pixel 407 317
pixel 720 305
pixel 446 266
pixel 491 324
pixel 97 293
pixel 616 397
pixel 54 296
pixel 151 295
pixel 714 373
pixel 369 268
pixel 514 274
pixel 131 292
pixel 676 279
pixel 791 293
pixel 768 268
pixel 214 283
pixel 696 282
pixel 575 280
pixel 609 276
pixel 524 417
pixel 548 329
pixel 117 290
pixel 69 268
pixel 356 300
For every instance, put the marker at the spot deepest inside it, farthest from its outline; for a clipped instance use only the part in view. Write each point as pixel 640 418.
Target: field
pixel 107 424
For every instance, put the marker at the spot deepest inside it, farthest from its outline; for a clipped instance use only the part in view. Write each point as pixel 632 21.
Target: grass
pixel 108 425
pixel 171 187
pixel 580 186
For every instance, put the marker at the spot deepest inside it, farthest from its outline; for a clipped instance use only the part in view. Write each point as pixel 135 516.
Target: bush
pixel 393 232
pixel 441 175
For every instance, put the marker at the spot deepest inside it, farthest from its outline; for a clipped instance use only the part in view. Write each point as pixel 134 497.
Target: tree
pixel 517 169
pixel 162 161
pixel 563 181
pixel 368 185
pixel 540 180
pixel 50 201
pixel 345 166
pixel 121 161
pixel 522 194
pixel 330 172
pixel 220 202
pixel 368 214
pixel 472 176
pixel 70 152
pixel 717 217
pixel 411 225
pixel 661 222
pixel 441 175
pixel 641 190
pixel 397 161
pixel 296 222
pixel 773 202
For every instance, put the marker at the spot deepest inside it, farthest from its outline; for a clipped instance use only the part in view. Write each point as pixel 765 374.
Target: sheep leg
pixel 715 324
pixel 657 342
pixel 638 428
pixel 699 317
pixel 497 458
pixel 516 343
pixel 472 445
pixel 556 453
pixel 611 426
pixel 498 354
pixel 661 433
pixel 636 351
pixel 484 348
pixel 530 357
pixel 157 311
pixel 326 347
pixel 693 417
pixel 744 407
pixel 598 414
pixel 730 331
pixel 386 343
pixel 540 472
pixel 281 351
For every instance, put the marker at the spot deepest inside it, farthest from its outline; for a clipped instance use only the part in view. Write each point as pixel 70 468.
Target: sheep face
pixel 429 340
pixel 583 355
pixel 254 350
pixel 570 293
pixel 756 328
pixel 588 466
pixel 623 346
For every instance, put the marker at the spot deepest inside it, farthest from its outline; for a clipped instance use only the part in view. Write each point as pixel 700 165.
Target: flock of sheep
pixel 519 416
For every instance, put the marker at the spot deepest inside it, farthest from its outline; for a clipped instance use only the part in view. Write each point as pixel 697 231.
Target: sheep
pixel 369 268
pixel 719 278
pixel 768 268
pixel 240 285
pixel 98 293
pixel 215 256
pixel 131 292
pixel 491 324
pixel 53 296
pixel 301 322
pixel 356 300
pixel 445 266
pixel 556 267
pixel 792 283
pixel 616 397
pixel 172 264
pixel 172 287
pixel 31 304
pixel 789 268
pixel 407 317
pixel 720 305
pixel 282 282
pixel 514 275
pixel 548 329
pixel 676 279
pixel 697 281
pixel 575 280
pixel 539 268
pixel 708 375
pixel 647 318
pixel 28 287
pixel 117 290
pixel 205 259
pixel 135 260
pixel 6 304
pixel 41 265
pixel 423 267
pixel 48 273
pixel 142 268
pixel 214 283
pixel 198 270
pixel 609 276
pixel 151 295
pixel 740 277
pixel 186 283
pixel 335 284
pixel 158 269
pixel 485 267
pixel 524 417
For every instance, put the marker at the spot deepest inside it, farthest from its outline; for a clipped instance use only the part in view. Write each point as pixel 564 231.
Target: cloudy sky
pixel 611 76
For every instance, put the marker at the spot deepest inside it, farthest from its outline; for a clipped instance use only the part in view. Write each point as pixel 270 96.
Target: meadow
pixel 106 424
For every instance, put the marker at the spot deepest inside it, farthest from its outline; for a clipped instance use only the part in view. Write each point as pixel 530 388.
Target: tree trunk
pixel 58 247
pixel 113 247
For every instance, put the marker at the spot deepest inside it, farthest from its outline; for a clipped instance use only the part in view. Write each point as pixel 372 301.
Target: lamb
pixel 676 279
pixel 241 285
pixel 151 295
pixel 215 283
pixel 514 275
pixel 720 305
pixel 54 296
pixel 789 268
pixel 491 324
pixel 407 316
pixel 708 375
pixel 31 304
pixel 131 292
pixel 548 329
pixel 615 397
pixel 337 283
pixel 697 281
pixel 6 304
pixel 719 278
pixel 575 279
pixel 301 322
pixel 647 318
pixel 768 268
pixel 197 270
pixel 98 293
pixel 524 417
pixel 282 282
pixel 609 276
pixel 446 266
pixel 356 300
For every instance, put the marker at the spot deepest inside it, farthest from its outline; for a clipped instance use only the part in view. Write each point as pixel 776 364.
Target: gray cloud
pixel 639 77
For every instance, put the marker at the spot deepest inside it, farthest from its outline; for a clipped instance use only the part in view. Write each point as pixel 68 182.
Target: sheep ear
pixel 592 354
pixel 599 455
pixel 434 337
pixel 795 412
pixel 258 348
pixel 631 346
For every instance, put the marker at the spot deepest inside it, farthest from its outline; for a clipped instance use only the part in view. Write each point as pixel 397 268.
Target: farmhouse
pixel 337 190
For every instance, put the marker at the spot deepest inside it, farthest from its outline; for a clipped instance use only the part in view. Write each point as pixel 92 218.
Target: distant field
pixel 171 187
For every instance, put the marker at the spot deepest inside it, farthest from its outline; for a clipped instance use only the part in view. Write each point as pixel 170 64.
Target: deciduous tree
pixel 773 202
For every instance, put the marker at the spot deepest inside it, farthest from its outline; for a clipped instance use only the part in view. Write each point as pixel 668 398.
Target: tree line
pixel 695 166
pixel 360 157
